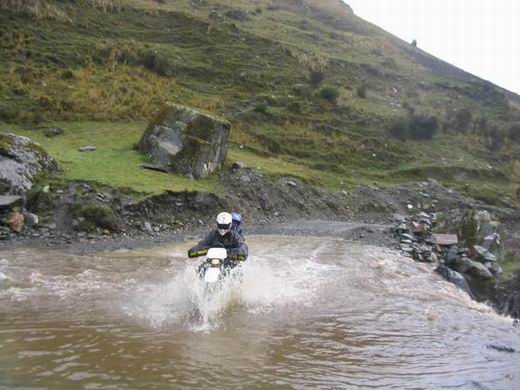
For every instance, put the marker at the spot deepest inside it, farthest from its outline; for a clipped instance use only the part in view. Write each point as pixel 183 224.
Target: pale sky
pixel 479 36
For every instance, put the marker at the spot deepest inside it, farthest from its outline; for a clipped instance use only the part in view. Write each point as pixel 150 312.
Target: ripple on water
pixel 304 312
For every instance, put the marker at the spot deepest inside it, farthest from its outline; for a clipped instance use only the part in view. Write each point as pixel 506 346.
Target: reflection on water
pixel 303 312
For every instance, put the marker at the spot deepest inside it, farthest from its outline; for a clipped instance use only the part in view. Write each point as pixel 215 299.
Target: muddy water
pixel 304 313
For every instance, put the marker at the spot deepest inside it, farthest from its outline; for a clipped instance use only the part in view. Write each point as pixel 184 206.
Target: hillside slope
pixel 311 89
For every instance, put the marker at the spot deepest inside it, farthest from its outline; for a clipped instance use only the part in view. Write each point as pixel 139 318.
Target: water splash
pixel 257 287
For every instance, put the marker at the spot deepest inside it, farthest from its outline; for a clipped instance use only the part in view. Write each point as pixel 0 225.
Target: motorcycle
pixel 216 266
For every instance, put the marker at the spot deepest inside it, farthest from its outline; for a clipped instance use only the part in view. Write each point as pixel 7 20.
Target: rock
pixel 406 236
pixel 87 148
pixel 494 267
pixel 451 255
pixel 184 140
pixel 8 202
pixel 245 179
pixel 213 14
pixel 491 242
pixel 423 249
pixel 406 248
pixel 420 228
pixel 15 220
pixel 87 187
pixel 454 277
pixel 148 227
pixel 444 239
pixel 20 161
pixel 31 220
pixel 501 348
pixel 473 268
pixel 52 226
pixel 53 132
pixel 154 167
pixel 433 258
pixel 292 184
pixel 237 165
pixel 5 233
pixel 423 217
pixel 237 14
pixel 402 228
pixel 482 254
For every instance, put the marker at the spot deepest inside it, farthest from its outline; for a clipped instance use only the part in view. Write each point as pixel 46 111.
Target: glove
pixel 200 252
pixel 237 257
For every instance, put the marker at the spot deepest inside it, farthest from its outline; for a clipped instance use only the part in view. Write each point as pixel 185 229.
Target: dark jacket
pixel 232 241
pixel 237 227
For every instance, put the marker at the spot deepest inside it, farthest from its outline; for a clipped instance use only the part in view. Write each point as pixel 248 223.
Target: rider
pixel 222 236
pixel 237 223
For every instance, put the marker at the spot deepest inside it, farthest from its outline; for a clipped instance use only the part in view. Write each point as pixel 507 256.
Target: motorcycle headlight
pixel 215 261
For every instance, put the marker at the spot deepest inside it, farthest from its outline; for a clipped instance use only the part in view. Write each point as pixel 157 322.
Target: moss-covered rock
pixel 21 160
pixel 184 140
pixel 96 215
pixel 39 199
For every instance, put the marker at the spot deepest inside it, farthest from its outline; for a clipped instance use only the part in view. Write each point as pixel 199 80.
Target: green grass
pixel 278 167
pixel 115 162
pixel 510 265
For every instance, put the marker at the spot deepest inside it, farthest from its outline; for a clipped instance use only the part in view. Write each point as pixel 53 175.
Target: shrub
pixel 495 139
pixel 262 107
pixel 460 120
pixel 362 91
pixel 480 125
pixel 97 215
pixel 316 77
pixel 132 53
pixel 67 74
pixel 295 107
pixel 35 9
pixel 329 93
pixel 514 132
pixel 105 5
pixel 423 126
pixel 39 200
pixel 400 127
pixel 414 126
pixel 158 63
pixel 409 108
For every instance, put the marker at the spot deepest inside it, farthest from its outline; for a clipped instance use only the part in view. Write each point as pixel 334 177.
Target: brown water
pixel 306 313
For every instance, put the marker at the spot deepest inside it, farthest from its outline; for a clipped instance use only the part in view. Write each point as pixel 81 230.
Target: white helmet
pixel 224 221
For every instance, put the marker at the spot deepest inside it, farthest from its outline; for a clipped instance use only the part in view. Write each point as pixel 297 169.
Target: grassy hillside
pixel 311 90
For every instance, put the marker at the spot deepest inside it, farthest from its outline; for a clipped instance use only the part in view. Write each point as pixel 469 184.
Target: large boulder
pixel 472 268
pixel 20 161
pixel 184 140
